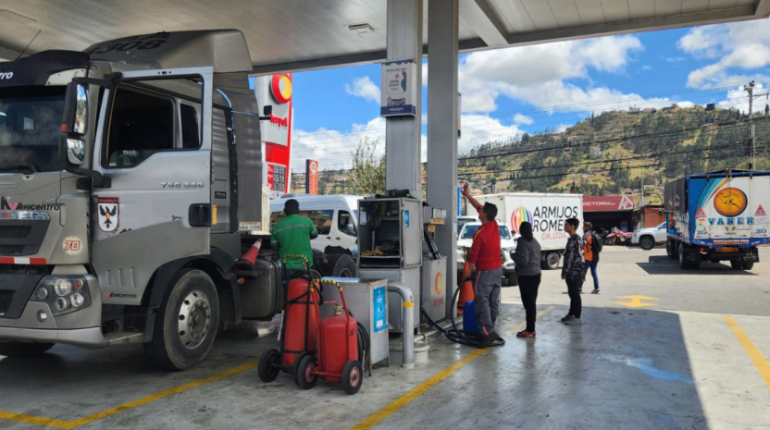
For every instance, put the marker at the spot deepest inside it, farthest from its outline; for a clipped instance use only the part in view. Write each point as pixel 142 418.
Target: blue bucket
pixel 470 323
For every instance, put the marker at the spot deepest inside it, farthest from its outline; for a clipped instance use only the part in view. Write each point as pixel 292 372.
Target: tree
pixel 368 173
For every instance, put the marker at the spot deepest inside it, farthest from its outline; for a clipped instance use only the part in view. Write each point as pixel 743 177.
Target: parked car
pixel 647 238
pixel 507 243
pixel 464 219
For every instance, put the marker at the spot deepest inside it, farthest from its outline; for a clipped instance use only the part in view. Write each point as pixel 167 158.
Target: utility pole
pixel 752 153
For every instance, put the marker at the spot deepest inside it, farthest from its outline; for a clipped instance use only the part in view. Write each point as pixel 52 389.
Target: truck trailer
pixel 547 213
pixel 719 216
pixel 130 184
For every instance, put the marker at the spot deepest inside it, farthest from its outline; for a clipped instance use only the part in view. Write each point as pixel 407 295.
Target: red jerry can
pixel 302 314
pixel 339 344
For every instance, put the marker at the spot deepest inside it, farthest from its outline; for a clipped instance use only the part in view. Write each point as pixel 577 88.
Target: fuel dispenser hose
pixel 462 337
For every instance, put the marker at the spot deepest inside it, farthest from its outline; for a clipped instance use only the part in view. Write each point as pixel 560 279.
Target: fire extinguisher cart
pixel 337 358
pixel 299 325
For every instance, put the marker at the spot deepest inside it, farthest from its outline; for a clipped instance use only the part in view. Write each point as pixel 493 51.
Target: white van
pixel 335 218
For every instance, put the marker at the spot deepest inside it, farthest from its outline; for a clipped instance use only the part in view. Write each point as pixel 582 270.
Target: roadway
pixel 697 358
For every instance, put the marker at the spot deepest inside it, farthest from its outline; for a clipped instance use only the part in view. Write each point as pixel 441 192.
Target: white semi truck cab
pixel 130 183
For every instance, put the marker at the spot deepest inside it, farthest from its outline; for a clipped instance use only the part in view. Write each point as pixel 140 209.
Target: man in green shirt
pixel 292 235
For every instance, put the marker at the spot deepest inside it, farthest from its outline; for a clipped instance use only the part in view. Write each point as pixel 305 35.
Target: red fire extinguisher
pixel 300 324
pixel 337 359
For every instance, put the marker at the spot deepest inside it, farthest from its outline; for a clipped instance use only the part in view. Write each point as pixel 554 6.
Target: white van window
pixel 321 219
pixel 345 219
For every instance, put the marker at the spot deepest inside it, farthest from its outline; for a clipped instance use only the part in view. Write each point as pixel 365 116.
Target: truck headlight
pixel 70 293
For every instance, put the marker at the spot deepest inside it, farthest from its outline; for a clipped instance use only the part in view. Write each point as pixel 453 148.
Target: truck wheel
pixel 736 264
pixel 352 376
pixel 683 264
pixel 671 249
pixel 551 261
pixel 647 243
pixel 24 349
pixel 339 266
pixel 187 322
pixel 748 265
pixel 512 279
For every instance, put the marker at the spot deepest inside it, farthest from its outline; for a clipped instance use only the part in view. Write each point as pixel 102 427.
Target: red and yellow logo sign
pixel 281 88
pixel 730 202
pixel 438 283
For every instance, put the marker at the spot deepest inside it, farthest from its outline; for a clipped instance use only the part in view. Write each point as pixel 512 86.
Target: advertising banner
pixel 730 210
pixel 311 175
pixel 400 84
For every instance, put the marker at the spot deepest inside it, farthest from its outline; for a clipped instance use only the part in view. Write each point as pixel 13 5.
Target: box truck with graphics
pixel 546 212
pixel 719 216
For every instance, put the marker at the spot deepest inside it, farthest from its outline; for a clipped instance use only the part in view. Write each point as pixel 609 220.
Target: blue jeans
pixel 592 265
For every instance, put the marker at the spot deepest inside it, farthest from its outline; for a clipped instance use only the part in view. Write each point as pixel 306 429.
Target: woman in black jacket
pixel 527 259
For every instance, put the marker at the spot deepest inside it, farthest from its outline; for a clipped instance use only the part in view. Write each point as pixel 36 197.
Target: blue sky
pixel 530 89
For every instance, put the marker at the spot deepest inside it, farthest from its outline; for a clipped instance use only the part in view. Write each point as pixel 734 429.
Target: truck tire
pixel 748 265
pixel 671 249
pixel 647 242
pixel 736 264
pixel 24 349
pixel 551 261
pixel 339 266
pixel 683 264
pixel 187 322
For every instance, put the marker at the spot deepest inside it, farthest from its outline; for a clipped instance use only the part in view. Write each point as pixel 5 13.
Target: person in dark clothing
pixel 573 272
pixel 527 259
pixel 591 253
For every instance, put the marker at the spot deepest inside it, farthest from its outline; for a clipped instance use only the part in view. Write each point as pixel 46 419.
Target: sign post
pixel 311 177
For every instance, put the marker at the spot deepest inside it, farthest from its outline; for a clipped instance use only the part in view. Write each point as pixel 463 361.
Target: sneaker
pixel 595 291
pixel 566 318
pixel 572 321
pixel 526 334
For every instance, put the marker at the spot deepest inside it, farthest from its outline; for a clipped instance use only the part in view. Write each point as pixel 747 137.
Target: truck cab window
pixel 141 125
pixel 345 223
pixel 190 128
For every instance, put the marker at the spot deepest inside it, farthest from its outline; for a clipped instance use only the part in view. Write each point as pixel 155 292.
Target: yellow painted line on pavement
pixel 636 301
pixel 421 389
pixel 759 360
pixel 68 425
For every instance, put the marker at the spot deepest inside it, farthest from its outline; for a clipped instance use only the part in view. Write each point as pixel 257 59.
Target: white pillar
pixel 443 18
pixel 403 134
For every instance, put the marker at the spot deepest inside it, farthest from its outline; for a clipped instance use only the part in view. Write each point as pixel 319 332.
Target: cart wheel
pixel 269 365
pixel 304 371
pixel 295 368
pixel 352 376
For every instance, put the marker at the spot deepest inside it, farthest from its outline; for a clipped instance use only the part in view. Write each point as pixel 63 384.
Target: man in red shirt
pixel 485 259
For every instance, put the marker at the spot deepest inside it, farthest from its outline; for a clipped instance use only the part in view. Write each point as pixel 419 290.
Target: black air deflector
pixel 37 68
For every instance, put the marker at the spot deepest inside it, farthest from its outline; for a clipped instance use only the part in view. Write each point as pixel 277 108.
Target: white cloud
pixel 333 148
pixel 536 74
pixel 364 87
pixel 523 119
pixel 738 99
pixel 563 127
pixel 742 46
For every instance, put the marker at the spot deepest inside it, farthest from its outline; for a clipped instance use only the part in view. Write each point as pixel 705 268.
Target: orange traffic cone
pixel 466 290
pixel 250 257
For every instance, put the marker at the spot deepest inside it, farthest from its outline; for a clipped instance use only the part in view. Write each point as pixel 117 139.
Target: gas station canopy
pixel 294 35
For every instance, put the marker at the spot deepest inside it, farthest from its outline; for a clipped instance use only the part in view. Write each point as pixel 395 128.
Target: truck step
pixel 123 337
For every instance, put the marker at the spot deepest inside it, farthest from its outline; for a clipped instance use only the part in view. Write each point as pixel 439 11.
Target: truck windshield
pixel 30 119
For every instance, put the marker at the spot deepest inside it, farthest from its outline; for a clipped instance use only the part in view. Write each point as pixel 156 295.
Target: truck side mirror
pixel 75 116
pixel 76 151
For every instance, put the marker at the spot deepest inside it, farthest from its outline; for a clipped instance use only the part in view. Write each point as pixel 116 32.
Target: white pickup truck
pixel 647 238
pixel 507 243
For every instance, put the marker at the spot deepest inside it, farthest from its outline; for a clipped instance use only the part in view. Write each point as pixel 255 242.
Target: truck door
pixel 158 206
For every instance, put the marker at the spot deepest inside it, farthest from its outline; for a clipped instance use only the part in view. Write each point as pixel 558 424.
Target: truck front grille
pixel 11 250
pixel 6 298
pixel 15 232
